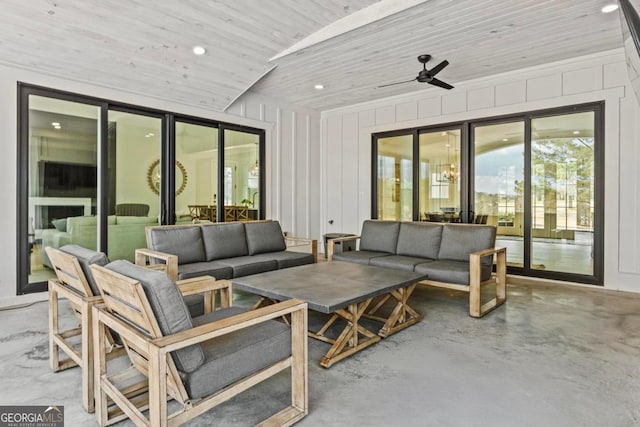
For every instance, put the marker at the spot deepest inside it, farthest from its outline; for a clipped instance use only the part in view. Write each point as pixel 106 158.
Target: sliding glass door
pixel 394 172
pixel 439 171
pixel 61 180
pixel 498 184
pixel 537 177
pixel 95 173
pixel 563 166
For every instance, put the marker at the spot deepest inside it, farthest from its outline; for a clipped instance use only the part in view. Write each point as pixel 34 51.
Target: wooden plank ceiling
pixel 145 47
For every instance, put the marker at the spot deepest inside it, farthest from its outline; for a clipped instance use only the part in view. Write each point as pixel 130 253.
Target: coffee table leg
pixel 402 315
pixel 349 341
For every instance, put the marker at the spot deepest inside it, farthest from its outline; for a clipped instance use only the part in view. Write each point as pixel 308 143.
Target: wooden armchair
pixel 199 364
pixel 73 284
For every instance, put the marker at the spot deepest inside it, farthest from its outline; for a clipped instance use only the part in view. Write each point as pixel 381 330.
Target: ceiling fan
pixel 427 76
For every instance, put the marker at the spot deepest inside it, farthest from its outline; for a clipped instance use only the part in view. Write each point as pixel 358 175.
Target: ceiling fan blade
pixel 440 83
pixel 435 70
pixel 396 83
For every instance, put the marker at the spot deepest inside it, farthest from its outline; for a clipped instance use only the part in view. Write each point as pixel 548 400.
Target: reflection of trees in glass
pixel 563 172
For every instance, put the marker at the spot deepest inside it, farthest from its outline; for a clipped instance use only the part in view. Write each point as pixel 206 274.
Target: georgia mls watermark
pixel 31 416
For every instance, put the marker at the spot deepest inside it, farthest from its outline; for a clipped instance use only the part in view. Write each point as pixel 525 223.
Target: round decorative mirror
pixel 153 177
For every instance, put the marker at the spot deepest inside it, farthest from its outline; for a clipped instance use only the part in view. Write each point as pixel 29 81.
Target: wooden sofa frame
pixel 474 289
pixel 125 304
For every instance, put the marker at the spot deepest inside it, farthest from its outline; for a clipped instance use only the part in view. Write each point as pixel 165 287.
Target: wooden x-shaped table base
pixel 355 337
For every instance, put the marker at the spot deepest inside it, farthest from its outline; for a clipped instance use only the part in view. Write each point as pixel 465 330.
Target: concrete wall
pixel 346 142
pixel 292 139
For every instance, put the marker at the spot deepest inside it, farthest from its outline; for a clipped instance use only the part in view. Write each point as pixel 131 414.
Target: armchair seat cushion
pixel 234 356
pixel 397 261
pixel 251 264
pixel 451 271
pixel 208 268
pixel 358 257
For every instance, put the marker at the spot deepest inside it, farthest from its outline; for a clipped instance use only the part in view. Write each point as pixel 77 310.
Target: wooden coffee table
pixel 344 290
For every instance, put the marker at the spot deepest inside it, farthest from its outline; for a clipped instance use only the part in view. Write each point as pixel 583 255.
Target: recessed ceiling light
pixel 149 135
pixel 319 86
pixel 576 132
pixel 199 50
pixel 609 8
pixel 55 124
pixel 505 139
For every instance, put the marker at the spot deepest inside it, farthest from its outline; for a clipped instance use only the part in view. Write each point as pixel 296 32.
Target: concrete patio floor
pixel 554 355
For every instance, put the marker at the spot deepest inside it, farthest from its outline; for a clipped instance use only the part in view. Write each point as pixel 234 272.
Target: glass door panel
pixel 439 179
pixel 498 183
pixel 562 193
pixel 133 173
pixel 62 179
pixel 395 178
pixel 197 165
pixel 241 175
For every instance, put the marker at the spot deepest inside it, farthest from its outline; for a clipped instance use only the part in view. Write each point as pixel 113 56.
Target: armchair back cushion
pixel 86 257
pixel 419 239
pixel 264 237
pixel 379 236
pixel 224 241
pixel 183 241
pixel 459 241
pixel 168 307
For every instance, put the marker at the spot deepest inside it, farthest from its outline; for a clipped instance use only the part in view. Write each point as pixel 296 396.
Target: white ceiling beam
pixel 360 18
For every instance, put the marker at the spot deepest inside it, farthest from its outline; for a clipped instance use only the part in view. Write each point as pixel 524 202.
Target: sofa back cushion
pixel 379 236
pixel 224 241
pixel 263 237
pixel 169 309
pixel 419 239
pixel 183 241
pixel 87 257
pixel 460 240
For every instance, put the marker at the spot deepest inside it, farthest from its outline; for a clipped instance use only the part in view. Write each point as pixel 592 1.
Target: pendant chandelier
pixel 447 172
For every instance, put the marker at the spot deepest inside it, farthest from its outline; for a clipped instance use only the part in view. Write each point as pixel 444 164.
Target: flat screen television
pixel 59 179
pixel 630 23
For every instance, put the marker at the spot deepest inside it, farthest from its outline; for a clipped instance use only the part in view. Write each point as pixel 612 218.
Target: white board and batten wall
pixel 346 142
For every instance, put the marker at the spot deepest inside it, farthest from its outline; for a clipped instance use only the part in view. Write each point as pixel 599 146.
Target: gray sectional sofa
pixel 223 250
pixel 454 256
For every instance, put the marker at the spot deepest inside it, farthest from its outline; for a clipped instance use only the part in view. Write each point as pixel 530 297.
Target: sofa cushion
pixel 87 257
pixel 264 237
pixel 237 355
pixel 398 262
pixel 287 259
pixel 207 268
pixel 419 239
pixel 168 307
pixel 251 264
pixel 358 257
pixel 460 240
pixel 451 271
pixel 224 241
pixel 379 236
pixel 184 241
